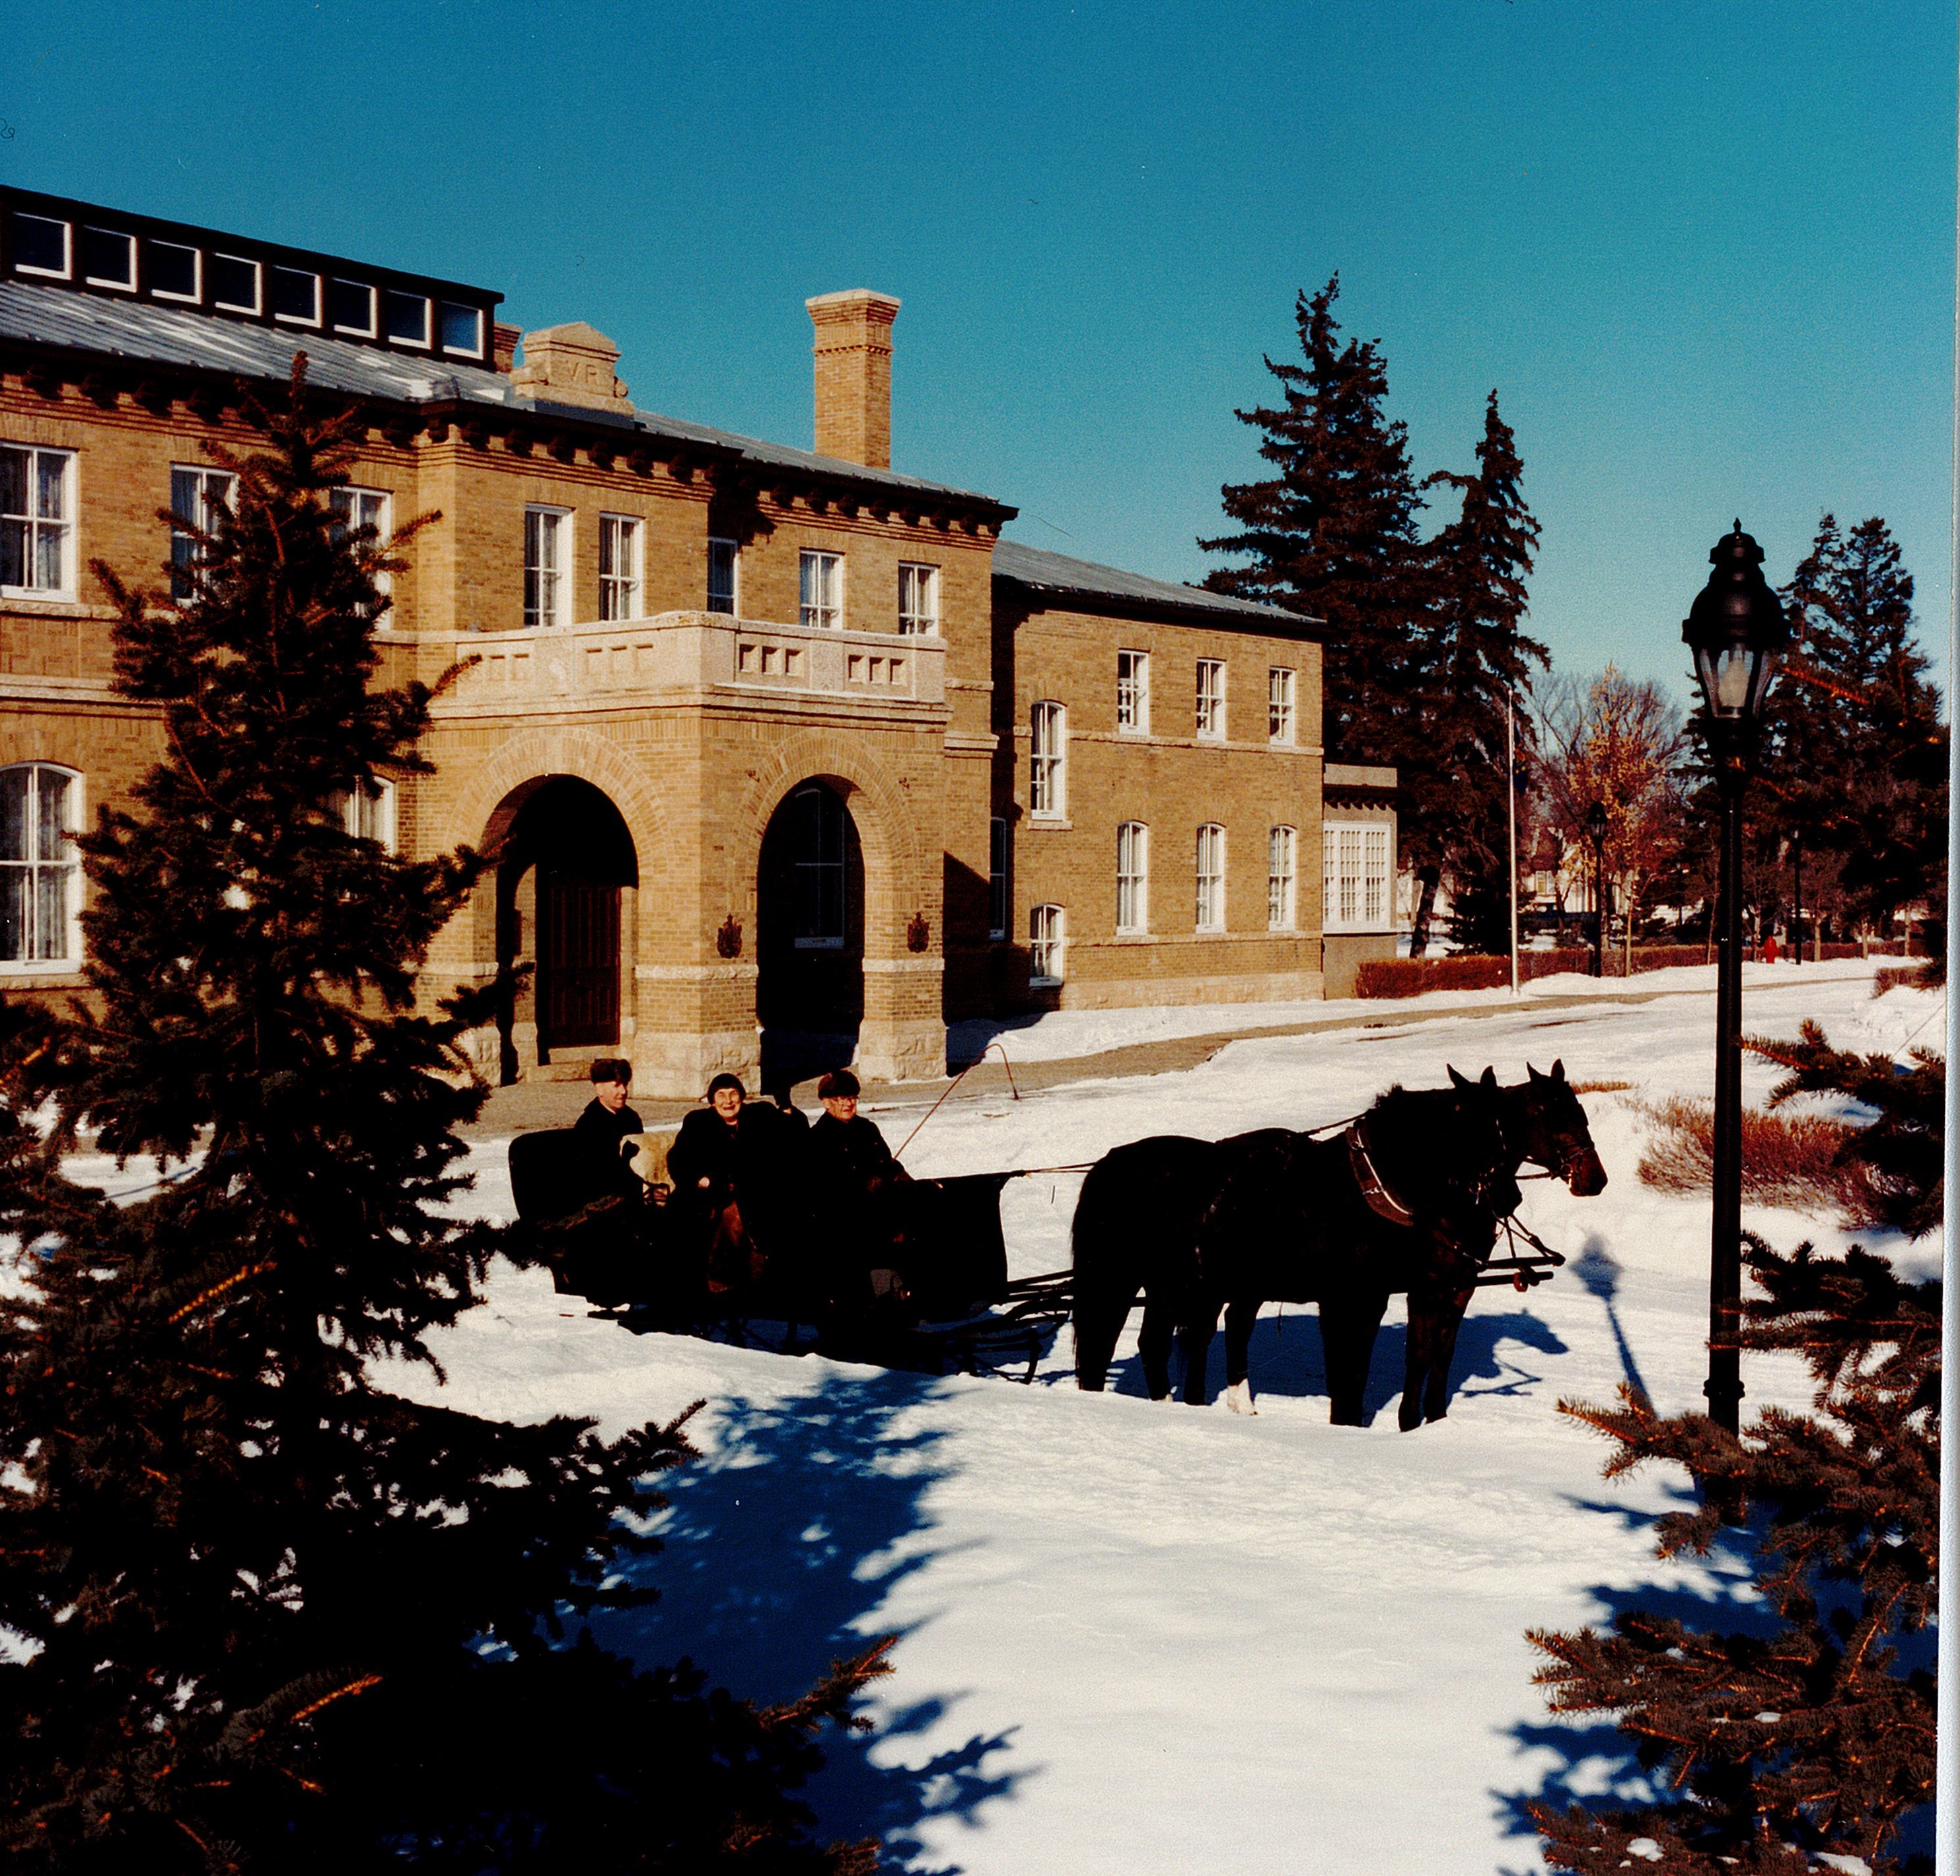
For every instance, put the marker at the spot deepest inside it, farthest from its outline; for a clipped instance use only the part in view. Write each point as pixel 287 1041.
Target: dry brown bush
pixel 1600 1087
pixel 1788 1159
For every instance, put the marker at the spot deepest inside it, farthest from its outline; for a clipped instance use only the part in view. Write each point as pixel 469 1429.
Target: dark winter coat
pixel 598 1134
pixel 756 1163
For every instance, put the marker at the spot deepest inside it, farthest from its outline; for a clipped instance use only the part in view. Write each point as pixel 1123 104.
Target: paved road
pixel 532 1104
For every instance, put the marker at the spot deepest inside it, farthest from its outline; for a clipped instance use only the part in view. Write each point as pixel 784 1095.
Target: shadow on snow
pixel 782 1545
pixel 1287 1360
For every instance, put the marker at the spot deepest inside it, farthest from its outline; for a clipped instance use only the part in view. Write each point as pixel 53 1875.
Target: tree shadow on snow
pixel 782 1545
pixel 1288 1361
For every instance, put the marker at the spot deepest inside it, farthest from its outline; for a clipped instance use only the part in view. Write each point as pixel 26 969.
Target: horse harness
pixel 1375 1190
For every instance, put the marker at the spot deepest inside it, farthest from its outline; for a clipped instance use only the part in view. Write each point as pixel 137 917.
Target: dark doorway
pixel 578 960
pixel 810 938
pixel 567 866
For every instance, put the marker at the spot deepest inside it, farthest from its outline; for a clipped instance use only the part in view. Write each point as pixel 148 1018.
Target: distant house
pixel 782 754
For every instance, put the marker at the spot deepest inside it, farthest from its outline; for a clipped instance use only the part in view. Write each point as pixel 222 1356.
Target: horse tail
pixel 1107 1271
pixel 1131 1234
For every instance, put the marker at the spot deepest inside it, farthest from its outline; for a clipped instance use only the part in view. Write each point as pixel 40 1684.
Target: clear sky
pixel 1704 252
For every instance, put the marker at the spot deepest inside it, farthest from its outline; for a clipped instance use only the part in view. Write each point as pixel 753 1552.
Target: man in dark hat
pixel 603 1126
pixel 852 1172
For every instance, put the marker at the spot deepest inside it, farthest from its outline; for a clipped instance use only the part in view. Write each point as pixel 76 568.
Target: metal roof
pixel 1034 567
pixel 167 335
pixel 132 329
pixel 780 456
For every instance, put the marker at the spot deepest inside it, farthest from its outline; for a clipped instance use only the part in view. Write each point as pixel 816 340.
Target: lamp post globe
pixel 1737 632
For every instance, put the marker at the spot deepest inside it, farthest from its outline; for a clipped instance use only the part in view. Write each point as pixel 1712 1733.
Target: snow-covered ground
pixel 1061 1034
pixel 1136 1637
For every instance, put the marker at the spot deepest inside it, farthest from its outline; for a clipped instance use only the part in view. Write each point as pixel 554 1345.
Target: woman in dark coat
pixel 735 1171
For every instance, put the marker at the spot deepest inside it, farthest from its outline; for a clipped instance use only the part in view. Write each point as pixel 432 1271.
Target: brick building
pixel 780 753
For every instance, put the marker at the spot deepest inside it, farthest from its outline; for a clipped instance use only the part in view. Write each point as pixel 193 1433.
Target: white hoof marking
pixel 1239 1398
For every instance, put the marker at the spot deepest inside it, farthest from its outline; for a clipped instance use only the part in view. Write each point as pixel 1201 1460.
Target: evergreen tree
pixel 1814 1740
pixel 1855 757
pixel 1333 533
pixel 1472 657
pixel 1900 1156
pixel 271 1614
pixel 1424 639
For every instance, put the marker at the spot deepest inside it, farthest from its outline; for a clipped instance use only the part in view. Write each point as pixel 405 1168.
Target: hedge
pixel 1410 977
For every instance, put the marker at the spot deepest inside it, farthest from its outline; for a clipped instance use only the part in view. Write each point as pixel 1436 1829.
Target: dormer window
pixel 234 284
pixel 462 330
pixel 176 272
pixel 350 308
pixel 108 260
pixel 40 246
pixel 295 296
pixel 408 319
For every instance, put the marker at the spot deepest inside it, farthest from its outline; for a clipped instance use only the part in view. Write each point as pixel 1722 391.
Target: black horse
pixel 1195 1225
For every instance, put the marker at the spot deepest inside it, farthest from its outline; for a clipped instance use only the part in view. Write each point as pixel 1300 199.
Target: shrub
pixel 1788 1159
pixel 1410 977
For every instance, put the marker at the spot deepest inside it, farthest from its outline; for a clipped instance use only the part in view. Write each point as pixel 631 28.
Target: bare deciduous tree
pixel 1617 741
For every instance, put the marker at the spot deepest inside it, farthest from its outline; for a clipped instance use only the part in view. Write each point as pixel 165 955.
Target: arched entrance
pixel 809 933
pixel 565 875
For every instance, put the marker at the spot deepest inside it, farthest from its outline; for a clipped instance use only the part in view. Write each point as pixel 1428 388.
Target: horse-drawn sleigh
pixel 1411 1196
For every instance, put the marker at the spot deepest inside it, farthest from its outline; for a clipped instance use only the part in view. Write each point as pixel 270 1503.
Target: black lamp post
pixel 1737 631
pixel 1596 826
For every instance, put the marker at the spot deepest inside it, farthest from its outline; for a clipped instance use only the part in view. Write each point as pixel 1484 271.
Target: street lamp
pixel 1737 631
pixel 1596 826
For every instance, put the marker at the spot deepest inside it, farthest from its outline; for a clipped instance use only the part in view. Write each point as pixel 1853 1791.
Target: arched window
pixel 1211 877
pixel 40 872
pixel 1048 939
pixel 1133 877
pixel 1047 762
pixel 818 831
pixel 1282 850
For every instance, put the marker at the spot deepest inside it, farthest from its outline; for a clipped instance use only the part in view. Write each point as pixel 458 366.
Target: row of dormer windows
pixel 46 247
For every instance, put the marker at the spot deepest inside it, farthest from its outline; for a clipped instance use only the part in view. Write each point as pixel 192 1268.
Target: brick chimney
pixel 853 375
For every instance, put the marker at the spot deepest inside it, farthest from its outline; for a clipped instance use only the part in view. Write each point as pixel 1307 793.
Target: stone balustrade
pixel 674 657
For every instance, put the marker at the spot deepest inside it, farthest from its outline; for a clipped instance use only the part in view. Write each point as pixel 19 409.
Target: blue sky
pixel 1704 253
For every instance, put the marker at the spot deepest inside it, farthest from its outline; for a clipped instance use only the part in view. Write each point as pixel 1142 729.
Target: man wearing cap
pixel 604 1125
pixel 852 1171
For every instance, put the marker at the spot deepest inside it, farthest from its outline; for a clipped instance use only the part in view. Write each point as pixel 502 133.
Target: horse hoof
pixel 1239 1398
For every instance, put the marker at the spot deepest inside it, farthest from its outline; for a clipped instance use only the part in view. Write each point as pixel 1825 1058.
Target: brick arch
pixel 535 754
pixel 897 878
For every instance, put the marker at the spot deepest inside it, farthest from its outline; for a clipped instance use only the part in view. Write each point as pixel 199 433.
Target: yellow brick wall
pixel 1172 781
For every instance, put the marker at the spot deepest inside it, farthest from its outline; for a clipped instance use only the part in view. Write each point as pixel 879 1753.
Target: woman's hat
pixel 840 1084
pixel 721 1082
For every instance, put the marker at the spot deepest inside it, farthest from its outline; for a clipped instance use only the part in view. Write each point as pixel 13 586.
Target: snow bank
pixel 1133 1636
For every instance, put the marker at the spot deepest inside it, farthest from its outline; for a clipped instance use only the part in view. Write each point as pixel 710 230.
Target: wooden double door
pixel 578 960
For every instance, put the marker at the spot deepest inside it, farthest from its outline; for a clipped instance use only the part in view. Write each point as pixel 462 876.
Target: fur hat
pixel 840 1084
pixel 612 1068
pixel 721 1082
